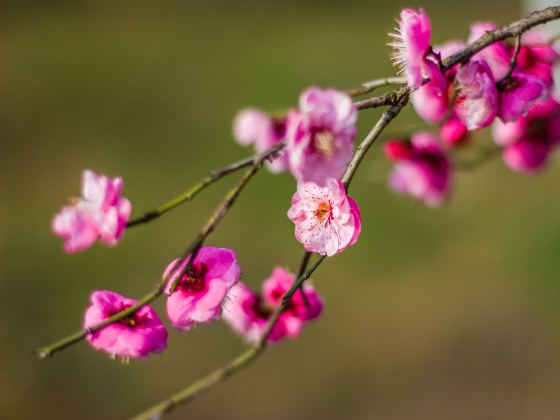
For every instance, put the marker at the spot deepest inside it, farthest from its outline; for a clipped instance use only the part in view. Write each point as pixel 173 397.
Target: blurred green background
pixel 450 313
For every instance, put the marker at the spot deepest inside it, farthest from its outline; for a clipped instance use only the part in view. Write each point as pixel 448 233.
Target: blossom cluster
pixel 509 87
pixel 205 291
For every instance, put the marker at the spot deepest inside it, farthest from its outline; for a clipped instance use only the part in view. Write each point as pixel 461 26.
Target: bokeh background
pixel 449 313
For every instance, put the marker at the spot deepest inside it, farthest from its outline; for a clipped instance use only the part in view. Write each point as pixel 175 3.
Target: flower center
pixel 323 211
pixel 324 143
pixel 193 280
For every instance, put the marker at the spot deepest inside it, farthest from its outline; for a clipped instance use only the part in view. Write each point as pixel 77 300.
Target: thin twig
pixel 484 156
pixel 504 81
pixel 370 86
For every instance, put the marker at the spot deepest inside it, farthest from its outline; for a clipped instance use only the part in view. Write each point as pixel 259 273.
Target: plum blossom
pixel 411 44
pixel 320 135
pixel 135 336
pixel 326 220
pixel 199 294
pixel 253 126
pixel 453 132
pixel 431 101
pixel 518 94
pixel 100 214
pixel 248 313
pixel 528 141
pixel 537 56
pixel 422 170
pixel 497 55
pixel 476 102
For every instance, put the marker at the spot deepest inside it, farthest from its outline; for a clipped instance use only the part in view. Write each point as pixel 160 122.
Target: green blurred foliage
pixel 434 314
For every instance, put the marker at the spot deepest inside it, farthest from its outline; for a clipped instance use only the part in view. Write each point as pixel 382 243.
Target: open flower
pixel 327 220
pixel 135 336
pixel 253 126
pixel 320 135
pixel 199 294
pixel 521 92
pixel 248 313
pixel 431 101
pixel 100 214
pixel 529 140
pixel 476 102
pixel 411 43
pixel 497 55
pixel 422 169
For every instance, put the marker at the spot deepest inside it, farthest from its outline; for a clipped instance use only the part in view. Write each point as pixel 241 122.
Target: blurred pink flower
pixel 529 140
pixel 422 169
pixel 135 336
pixel 453 132
pixel 537 56
pixel 411 44
pixel 320 135
pixel 497 55
pixel 431 101
pixel 476 102
pixel 521 92
pixel 327 220
pixel 199 294
pixel 249 313
pixel 100 214
pixel 253 126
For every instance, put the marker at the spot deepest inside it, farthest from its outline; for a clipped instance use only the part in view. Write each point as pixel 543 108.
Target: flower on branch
pixel 253 126
pixel 411 44
pixel 100 214
pixel 326 220
pixel 248 313
pixel 320 135
pixel 529 140
pixel 422 169
pixel 199 293
pixel 135 336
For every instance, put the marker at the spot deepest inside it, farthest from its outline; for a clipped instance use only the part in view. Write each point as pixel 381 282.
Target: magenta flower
pixel 431 101
pixel 476 102
pixel 453 132
pixel 497 55
pixel 521 92
pixel 327 220
pixel 199 294
pixel 422 169
pixel 411 44
pixel 530 140
pixel 135 336
pixel 249 313
pixel 537 56
pixel 320 135
pixel 253 126
pixel 100 214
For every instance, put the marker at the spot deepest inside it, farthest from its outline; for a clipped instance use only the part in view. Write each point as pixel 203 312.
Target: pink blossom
pixel 529 140
pixel 537 56
pixel 326 220
pixel 411 44
pixel 249 313
pixel 497 55
pixel 521 92
pixel 422 169
pixel 453 132
pixel 476 102
pixel 431 101
pixel 253 126
pixel 135 336
pixel 199 295
pixel 320 135
pixel 100 214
